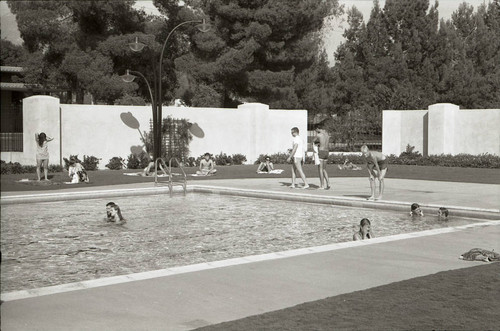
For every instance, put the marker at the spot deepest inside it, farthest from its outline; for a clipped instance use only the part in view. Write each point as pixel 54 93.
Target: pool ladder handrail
pixel 171 176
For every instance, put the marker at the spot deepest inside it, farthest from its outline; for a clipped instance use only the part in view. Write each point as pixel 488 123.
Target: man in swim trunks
pixel 377 168
pixel 207 166
pixel 323 152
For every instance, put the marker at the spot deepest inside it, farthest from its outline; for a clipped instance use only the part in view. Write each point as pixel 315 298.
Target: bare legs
pixel 373 175
pixel 323 175
pixel 45 164
pixel 297 166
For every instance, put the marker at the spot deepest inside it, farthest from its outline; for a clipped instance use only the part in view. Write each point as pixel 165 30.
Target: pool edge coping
pixel 115 280
pixel 472 212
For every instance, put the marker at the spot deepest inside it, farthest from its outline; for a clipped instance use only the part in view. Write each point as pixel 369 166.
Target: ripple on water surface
pixel 54 243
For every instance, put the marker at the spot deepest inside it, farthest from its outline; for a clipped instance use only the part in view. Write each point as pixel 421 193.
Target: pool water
pixel 53 243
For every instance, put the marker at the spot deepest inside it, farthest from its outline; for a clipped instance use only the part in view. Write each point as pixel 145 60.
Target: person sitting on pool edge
pixel 114 213
pixel 266 166
pixel 207 166
pixel 415 210
pixel 443 213
pixel 364 230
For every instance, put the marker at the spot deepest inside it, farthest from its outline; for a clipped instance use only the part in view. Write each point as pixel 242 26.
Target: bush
pixel 223 159
pixel 17 168
pixel 277 158
pixel 115 163
pixel 238 159
pixel 140 161
pixel 90 162
pixel 190 162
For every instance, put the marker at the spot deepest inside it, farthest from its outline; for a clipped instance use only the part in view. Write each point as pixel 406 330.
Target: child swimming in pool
pixel 364 230
pixel 443 213
pixel 415 210
pixel 114 213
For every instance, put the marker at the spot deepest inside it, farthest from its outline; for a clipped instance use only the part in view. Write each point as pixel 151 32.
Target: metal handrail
pixel 163 165
pixel 170 179
pixel 170 174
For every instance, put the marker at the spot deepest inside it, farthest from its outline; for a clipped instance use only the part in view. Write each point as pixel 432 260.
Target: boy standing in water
pixel 377 168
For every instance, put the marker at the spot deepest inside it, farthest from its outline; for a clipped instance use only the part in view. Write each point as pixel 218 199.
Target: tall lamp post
pixel 157 102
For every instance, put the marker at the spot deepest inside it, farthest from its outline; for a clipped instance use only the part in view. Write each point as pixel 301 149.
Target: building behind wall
pixel 13 91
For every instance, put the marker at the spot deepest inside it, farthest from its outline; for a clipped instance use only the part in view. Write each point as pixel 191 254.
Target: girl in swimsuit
pixel 364 230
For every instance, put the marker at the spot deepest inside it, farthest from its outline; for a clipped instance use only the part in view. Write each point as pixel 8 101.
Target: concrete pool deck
pixel 194 296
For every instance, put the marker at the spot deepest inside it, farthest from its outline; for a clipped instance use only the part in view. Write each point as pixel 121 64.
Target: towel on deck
pixel 479 254
pixel 275 171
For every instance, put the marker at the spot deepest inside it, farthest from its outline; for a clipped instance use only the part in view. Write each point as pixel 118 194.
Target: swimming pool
pixel 53 243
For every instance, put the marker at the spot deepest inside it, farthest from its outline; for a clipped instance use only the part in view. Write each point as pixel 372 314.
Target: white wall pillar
pixel 41 113
pixel 258 128
pixel 441 134
pixel 391 132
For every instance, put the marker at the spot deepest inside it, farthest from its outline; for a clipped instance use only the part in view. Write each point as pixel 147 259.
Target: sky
pixel 333 34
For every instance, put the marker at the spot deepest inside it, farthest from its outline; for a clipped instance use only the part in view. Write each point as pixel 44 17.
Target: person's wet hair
pixel 364 221
pixel 443 211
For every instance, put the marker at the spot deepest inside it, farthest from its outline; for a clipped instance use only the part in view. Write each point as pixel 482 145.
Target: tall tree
pixel 258 49
pixel 61 37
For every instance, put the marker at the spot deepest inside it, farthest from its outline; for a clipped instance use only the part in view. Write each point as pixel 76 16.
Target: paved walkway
pixel 188 297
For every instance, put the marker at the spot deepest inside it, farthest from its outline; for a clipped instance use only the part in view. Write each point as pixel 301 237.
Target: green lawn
pixel 463 299
pixel 112 177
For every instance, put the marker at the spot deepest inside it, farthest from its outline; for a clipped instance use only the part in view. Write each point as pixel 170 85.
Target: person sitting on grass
pixel 415 210
pixel 114 213
pixel 207 166
pixel 149 170
pixel 77 172
pixel 443 213
pixel 364 230
pixel 266 166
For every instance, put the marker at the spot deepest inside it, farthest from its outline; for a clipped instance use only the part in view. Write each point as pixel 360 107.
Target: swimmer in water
pixel 114 213
pixel 415 210
pixel 364 230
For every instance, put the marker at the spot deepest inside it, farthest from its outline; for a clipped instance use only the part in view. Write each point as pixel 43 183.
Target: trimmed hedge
pixel 17 168
pixel 444 160
pixel 406 158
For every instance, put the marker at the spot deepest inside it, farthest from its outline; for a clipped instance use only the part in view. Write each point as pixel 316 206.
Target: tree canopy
pixel 402 57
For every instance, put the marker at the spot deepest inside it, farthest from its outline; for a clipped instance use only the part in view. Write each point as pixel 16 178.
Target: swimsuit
pixel 323 155
pixel 381 164
pixel 42 152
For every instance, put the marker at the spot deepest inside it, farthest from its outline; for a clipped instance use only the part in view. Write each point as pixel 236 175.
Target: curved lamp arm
pixel 129 77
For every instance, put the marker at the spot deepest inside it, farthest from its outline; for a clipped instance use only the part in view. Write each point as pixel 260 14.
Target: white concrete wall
pixel 479 130
pixel 251 129
pixel 442 129
pixel 400 128
pixel 40 114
